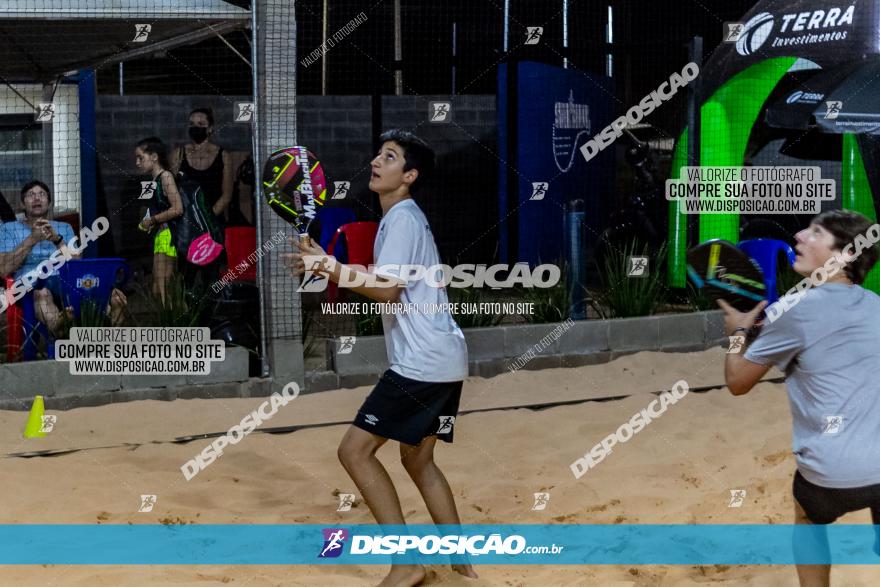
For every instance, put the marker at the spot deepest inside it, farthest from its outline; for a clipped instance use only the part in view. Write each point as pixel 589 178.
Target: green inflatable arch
pixel 727 119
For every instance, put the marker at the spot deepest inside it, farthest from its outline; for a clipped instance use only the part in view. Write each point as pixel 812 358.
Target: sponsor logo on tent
pixel 800 97
pixel 754 33
pixel 796 28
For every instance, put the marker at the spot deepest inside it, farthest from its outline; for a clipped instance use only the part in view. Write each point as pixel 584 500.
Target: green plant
pixel 91 315
pixel 623 295
pixel 367 324
pixel 550 304
pixel 309 340
pixel 698 300
pixel 181 307
pixel 468 318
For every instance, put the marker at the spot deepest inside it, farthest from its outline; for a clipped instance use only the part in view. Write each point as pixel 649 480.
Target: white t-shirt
pixel 425 346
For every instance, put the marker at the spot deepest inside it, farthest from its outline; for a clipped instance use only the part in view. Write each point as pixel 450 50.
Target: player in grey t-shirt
pixel 416 401
pixel 827 343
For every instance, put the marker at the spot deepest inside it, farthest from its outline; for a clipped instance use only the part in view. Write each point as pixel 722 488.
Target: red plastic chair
pixel 22 327
pixel 359 240
pixel 241 242
pixel 14 324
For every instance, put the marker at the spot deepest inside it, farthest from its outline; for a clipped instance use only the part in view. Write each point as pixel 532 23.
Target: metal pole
pixel 609 38
pixel 454 56
pixel 398 52
pixel 258 191
pixel 506 23
pixel 695 54
pixel 565 34
pixel 324 56
pixel 121 86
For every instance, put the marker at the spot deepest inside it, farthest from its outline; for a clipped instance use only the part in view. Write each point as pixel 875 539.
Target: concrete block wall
pixel 494 350
pixel 20 382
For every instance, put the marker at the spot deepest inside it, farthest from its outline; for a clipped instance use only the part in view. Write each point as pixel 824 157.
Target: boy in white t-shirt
pixel 416 400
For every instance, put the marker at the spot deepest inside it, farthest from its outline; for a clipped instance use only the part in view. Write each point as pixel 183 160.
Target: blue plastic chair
pixel 765 252
pixel 92 279
pixel 331 219
pixel 82 279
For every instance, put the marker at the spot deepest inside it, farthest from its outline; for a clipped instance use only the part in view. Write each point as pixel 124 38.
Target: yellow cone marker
pixel 35 420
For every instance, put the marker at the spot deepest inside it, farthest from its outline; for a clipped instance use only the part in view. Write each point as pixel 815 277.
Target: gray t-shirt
pixel 422 345
pixel 828 346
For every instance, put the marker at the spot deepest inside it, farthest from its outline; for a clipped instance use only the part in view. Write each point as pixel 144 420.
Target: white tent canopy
pixel 42 39
pixel 121 9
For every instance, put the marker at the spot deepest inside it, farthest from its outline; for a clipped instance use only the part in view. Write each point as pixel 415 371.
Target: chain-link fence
pixel 506 93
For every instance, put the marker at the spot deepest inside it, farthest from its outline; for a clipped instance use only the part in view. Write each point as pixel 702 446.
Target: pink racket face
pixel 294 185
pixel 203 250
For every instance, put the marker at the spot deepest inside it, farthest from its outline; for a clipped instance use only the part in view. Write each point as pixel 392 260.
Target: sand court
pixel 680 469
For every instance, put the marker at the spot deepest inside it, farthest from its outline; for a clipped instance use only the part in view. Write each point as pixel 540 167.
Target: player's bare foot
pixel 404 576
pixel 466 570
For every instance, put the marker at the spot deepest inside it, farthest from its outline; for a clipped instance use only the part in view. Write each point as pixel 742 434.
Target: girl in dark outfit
pixel 209 165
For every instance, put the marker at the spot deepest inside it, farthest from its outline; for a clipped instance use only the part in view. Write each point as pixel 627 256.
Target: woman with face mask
pixel 209 165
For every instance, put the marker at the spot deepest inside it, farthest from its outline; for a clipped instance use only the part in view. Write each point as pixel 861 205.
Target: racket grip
pixel 305 239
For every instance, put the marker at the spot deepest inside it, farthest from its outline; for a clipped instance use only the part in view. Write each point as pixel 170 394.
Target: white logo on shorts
pixel 371 419
pixel 446 424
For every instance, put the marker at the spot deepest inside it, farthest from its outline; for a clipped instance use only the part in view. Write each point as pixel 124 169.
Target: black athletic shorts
pixel 407 410
pixel 823 505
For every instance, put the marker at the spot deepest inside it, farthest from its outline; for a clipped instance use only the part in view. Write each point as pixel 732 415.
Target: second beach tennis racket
pixel 725 272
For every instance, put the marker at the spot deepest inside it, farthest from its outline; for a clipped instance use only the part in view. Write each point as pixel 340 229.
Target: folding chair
pixel 241 242
pixel 355 247
pixel 331 219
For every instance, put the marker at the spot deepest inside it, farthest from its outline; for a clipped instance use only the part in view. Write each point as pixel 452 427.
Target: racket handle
pixel 305 239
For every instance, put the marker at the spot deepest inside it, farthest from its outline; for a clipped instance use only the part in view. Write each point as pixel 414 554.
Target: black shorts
pixel 407 410
pixel 823 505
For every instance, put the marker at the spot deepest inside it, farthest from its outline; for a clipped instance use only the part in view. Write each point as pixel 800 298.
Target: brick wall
pixel 124 120
pixel 461 202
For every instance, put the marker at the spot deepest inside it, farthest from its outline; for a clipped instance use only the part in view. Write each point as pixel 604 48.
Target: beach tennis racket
pixel 725 272
pixel 295 186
